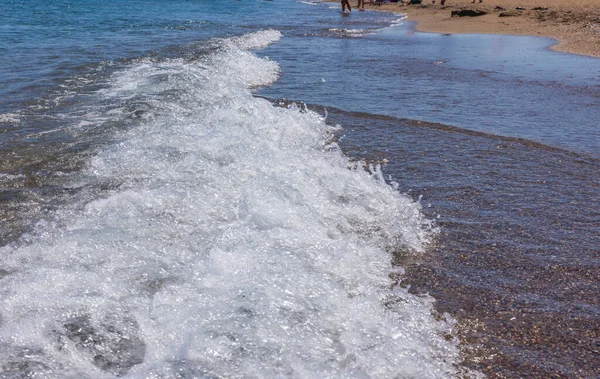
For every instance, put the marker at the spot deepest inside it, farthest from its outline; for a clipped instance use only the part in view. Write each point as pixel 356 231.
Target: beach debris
pixel 467 12
pixel 540 9
pixel 520 8
pixel 509 14
pixel 499 8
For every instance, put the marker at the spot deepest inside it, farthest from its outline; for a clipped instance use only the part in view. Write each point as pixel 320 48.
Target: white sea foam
pixel 237 241
pixel 12 118
pixel 352 32
pixel 256 40
pixel 310 2
pixel 400 20
pixel 6 176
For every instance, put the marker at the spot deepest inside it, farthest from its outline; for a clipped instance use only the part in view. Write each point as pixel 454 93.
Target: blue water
pixel 502 85
pixel 43 42
pixel 163 216
pixel 511 86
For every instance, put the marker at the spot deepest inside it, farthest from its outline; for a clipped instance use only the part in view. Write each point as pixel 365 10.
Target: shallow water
pixel 517 257
pixel 514 189
pixel 191 228
pixel 502 85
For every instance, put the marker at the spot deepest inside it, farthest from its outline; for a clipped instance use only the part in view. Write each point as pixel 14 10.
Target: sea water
pixel 171 208
pixel 199 231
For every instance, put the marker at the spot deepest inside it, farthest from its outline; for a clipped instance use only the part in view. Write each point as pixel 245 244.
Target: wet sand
pixel 575 24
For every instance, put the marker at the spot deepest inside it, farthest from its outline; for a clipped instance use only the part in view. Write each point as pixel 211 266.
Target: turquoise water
pixel 271 189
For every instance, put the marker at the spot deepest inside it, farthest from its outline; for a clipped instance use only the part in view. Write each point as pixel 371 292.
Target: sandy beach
pixel 575 24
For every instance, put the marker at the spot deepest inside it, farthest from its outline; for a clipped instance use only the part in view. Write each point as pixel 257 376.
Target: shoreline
pixel 574 24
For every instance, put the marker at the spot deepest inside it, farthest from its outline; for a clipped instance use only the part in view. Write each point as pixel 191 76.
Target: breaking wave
pixel 220 236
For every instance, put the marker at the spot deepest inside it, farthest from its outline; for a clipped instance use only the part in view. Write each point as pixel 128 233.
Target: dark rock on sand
pixel 467 12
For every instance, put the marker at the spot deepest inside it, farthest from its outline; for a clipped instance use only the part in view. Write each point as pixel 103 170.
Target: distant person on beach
pixel 361 5
pixel 346 3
